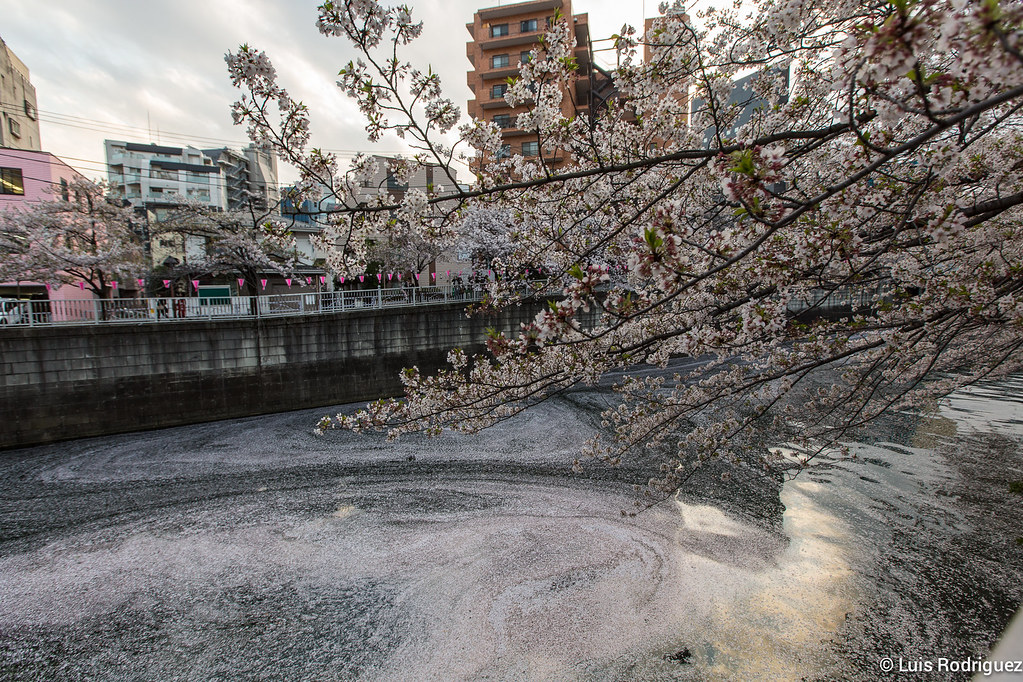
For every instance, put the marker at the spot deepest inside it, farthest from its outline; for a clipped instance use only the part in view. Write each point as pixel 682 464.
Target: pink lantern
pixel 342 280
pixel 195 283
pixel 241 282
pixel 323 280
pixel 309 281
pixel 433 275
pixel 362 278
pixel 417 276
pixel 166 284
pixel 380 277
pixel 288 280
pixel 263 282
pixel 390 276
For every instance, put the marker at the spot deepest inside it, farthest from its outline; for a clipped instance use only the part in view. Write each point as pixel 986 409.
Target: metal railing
pixel 170 309
pixel 844 299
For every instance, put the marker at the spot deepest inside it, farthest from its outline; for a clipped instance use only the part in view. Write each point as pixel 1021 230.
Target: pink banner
pixel 195 283
pixel 342 279
pixel 399 276
pixel 166 284
pixel 309 281
pixel 81 285
pixel 288 280
pixel 433 275
pixel 390 276
pixel 362 278
pixel 263 282
pixel 241 282
pixel 141 284
pixel 448 272
pixel 323 280
pixel 48 287
pixel 113 285
pixel 380 278
pixel 417 276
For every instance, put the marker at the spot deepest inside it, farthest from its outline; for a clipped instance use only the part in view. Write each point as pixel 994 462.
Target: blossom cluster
pixel 810 188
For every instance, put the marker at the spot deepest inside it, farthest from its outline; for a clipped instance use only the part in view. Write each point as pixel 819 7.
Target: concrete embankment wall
pixel 68 382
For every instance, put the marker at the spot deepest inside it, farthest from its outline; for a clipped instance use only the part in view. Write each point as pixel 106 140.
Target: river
pixel 256 549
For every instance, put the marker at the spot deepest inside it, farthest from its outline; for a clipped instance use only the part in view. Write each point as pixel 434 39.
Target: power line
pixel 83 123
pixel 220 184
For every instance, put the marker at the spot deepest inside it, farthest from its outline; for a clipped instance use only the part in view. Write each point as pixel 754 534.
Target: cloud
pixel 121 67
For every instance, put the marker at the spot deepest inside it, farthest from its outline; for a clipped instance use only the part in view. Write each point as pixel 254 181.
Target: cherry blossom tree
pixel 880 157
pixel 91 237
pixel 248 241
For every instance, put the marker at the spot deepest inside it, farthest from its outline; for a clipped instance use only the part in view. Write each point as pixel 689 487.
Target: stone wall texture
pixel 67 382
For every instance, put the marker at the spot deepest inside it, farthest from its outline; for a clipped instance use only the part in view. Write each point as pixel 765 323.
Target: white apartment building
pixel 157 178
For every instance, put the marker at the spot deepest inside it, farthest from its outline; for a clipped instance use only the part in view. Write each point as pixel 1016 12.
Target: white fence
pixel 168 309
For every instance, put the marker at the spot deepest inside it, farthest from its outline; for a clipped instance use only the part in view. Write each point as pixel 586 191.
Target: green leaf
pixel 651 238
pixel 743 163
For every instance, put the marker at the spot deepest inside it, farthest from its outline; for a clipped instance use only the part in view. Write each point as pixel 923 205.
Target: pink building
pixel 27 176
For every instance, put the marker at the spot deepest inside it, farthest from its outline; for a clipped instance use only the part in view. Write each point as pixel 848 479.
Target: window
pixel 498 90
pixel 498 30
pixel 165 175
pixel 526 57
pixel 528 26
pixel 11 181
pixel 14 127
pixel 30 110
pixel 504 152
pixel 503 121
pixel 530 148
pixel 499 61
pixel 392 183
pixel 64 193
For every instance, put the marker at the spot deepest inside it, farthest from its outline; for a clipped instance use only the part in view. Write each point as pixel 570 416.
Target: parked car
pixel 13 311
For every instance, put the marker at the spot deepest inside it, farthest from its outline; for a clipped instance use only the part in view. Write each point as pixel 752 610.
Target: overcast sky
pixel 119 69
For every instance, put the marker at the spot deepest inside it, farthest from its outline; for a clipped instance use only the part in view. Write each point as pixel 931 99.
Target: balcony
pixel 493 103
pixel 502 72
pixel 527 38
pixel 489 14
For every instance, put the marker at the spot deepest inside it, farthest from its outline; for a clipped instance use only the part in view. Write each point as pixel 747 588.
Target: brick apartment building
pixel 502 38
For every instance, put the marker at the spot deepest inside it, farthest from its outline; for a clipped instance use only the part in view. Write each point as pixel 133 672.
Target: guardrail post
pixel 380 297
